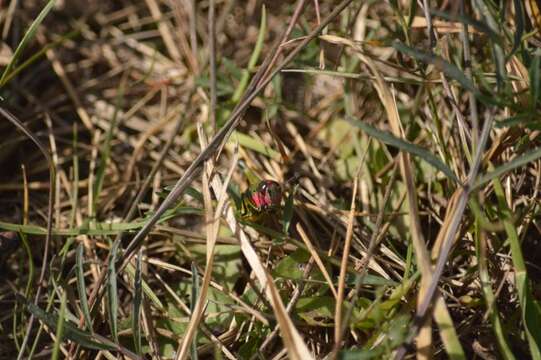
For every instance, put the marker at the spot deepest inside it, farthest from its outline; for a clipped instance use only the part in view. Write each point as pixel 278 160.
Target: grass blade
pixel 28 36
pixel 534 81
pixel 112 291
pixel 479 25
pixel 390 139
pixel 447 68
pixel 81 287
pixel 519 21
pixel 488 293
pixel 59 328
pixel 530 311
pixel 513 164
pixel 194 296
pixel 106 150
pixel 253 58
pixel 70 331
pixel 137 300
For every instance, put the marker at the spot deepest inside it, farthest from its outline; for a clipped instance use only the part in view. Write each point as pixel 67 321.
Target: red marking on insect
pixel 267 195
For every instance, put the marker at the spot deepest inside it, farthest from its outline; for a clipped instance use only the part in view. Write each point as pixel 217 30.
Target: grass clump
pixel 404 138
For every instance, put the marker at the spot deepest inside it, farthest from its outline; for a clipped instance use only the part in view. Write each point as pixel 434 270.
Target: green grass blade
pixel 390 139
pixel 255 144
pixel 520 22
pixel 137 300
pixel 447 68
pixel 112 292
pixel 194 296
pixel 105 150
pixel 59 328
pixel 81 287
pixel 478 25
pixel 488 294
pixel 253 58
pixel 130 270
pixel 288 210
pixel 28 36
pixel 530 311
pixel 513 164
pixel 71 332
pixel 497 50
pixel 534 81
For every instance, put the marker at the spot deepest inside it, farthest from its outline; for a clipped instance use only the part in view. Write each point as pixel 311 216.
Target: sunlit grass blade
pixel 255 144
pixel 28 36
pixel 511 165
pixel 112 291
pixel 137 300
pixel 81 287
pixel 390 139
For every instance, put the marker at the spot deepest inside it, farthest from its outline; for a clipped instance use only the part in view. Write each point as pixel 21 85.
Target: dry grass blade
pixel 343 269
pixel 317 259
pixel 213 226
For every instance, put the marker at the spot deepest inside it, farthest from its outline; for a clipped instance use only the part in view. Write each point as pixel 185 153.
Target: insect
pixel 265 199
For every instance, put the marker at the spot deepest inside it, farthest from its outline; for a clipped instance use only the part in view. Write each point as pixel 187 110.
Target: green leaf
pixel 513 164
pixel 81 287
pixel 390 139
pixel 28 36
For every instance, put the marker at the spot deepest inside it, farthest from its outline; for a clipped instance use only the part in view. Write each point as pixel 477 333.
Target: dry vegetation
pixel 406 140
